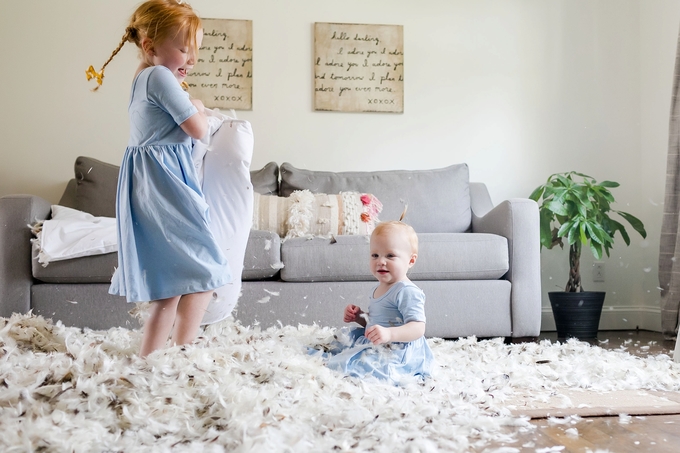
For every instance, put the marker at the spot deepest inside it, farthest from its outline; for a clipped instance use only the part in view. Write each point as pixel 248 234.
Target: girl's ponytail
pixel 156 20
pixel 131 34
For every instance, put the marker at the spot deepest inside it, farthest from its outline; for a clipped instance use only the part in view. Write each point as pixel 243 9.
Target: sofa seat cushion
pixel 86 269
pixel 263 255
pixel 438 200
pixel 262 260
pixel 442 256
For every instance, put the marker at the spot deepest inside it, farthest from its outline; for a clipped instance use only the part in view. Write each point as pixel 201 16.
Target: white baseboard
pixel 616 318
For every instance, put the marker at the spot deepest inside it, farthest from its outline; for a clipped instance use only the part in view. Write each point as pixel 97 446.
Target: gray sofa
pixel 478 265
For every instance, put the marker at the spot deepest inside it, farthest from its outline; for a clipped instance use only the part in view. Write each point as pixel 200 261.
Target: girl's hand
pixel 352 313
pixel 377 334
pixel 199 105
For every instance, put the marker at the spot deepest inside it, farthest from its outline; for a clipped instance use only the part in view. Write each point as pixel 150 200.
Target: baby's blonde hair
pixel 389 227
pixel 156 20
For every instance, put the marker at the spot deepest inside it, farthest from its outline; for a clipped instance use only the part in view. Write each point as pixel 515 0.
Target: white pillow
pixel 71 234
pixel 223 164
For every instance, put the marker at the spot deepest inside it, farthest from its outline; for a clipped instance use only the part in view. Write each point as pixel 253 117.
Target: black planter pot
pixel 577 314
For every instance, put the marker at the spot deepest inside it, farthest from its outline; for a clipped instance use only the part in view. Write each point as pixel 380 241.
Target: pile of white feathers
pixel 249 390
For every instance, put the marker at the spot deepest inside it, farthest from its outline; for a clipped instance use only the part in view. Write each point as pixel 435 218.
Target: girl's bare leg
pixel 159 325
pixel 190 311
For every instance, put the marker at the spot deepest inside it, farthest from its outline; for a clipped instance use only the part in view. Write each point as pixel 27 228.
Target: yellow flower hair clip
pixel 90 73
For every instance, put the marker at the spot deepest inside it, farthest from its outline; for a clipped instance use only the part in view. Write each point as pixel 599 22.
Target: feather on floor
pixel 242 389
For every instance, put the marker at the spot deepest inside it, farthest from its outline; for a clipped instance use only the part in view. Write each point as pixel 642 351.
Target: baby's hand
pixel 352 313
pixel 378 334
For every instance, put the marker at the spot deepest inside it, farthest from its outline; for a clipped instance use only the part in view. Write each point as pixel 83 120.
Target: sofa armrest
pixel 517 220
pixel 16 213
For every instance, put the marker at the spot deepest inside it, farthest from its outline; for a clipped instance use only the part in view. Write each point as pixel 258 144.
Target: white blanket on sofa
pixel 71 234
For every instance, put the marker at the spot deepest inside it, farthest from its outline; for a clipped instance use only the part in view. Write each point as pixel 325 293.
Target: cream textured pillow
pixel 306 214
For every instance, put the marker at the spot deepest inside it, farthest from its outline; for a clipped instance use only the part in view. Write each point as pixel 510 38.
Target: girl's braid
pixel 130 35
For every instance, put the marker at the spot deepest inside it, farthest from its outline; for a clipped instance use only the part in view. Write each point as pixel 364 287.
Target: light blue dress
pixel 402 303
pixel 165 247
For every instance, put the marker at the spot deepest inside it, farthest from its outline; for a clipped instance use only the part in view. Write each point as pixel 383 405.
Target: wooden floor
pixel 607 434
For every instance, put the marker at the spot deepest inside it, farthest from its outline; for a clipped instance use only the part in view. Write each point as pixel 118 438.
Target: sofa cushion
pixel 87 269
pixel 96 183
pixel 263 255
pixel 266 180
pixel 93 190
pixel 441 256
pixel 262 260
pixel 306 214
pixel 438 200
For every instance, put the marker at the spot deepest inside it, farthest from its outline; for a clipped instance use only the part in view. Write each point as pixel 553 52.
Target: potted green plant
pixel 575 207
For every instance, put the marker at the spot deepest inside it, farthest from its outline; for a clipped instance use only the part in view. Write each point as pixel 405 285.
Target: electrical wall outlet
pixel 598 272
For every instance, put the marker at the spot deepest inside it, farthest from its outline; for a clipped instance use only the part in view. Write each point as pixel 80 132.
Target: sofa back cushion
pixel 265 181
pixel 93 190
pixel 438 200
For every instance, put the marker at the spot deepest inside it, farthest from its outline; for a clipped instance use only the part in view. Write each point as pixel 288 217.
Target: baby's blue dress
pixel 165 247
pixel 402 303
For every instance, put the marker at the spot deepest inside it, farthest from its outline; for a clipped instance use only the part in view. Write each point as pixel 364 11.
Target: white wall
pixel 518 89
